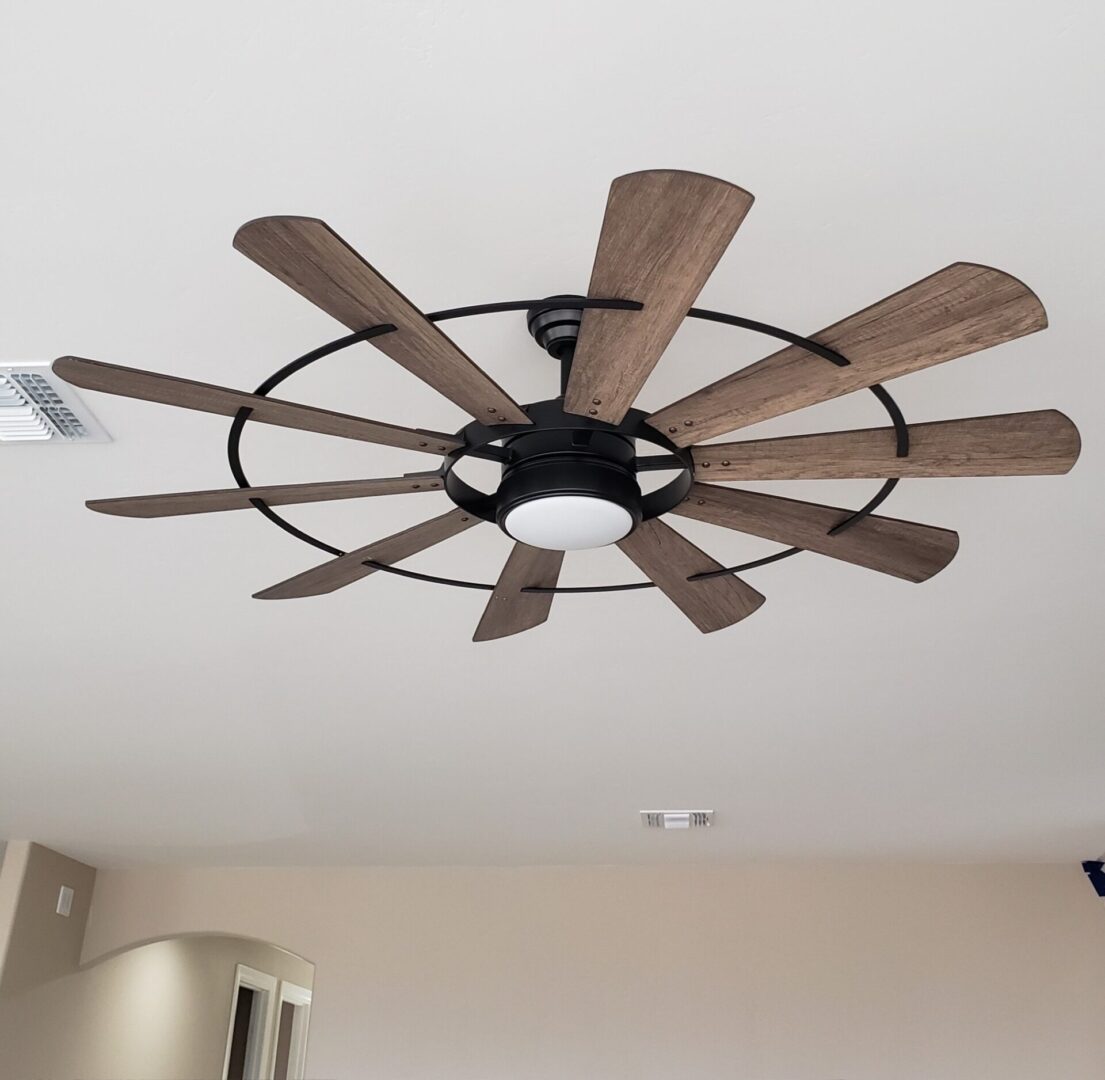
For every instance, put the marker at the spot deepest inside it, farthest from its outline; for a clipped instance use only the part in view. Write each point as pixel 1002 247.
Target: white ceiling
pixel 152 711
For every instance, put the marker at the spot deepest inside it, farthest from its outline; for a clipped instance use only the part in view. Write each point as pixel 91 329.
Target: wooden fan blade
pixel 1013 444
pixel 662 236
pixel 669 558
pixel 350 567
pixel 958 310
pixel 207 502
pixel 308 255
pixel 203 397
pixel 510 611
pixel 900 548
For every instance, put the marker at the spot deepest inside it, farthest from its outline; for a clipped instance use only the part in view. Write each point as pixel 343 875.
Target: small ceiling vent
pixel 677 819
pixel 36 406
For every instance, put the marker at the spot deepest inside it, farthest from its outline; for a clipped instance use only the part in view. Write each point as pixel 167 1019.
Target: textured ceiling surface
pixel 152 711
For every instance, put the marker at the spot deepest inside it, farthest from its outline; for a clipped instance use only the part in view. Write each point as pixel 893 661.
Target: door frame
pixel 259 1061
pixel 300 997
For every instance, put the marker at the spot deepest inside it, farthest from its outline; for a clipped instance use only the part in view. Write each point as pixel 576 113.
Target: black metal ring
pixel 816 348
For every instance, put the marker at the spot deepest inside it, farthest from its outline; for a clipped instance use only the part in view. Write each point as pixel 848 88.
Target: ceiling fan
pixel 570 465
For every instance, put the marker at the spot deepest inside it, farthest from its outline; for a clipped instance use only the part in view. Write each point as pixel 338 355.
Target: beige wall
pixel 159 1011
pixel 744 973
pixel 11 882
pixel 37 944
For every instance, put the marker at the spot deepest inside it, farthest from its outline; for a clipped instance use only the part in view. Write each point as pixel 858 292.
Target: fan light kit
pixel 568 522
pixel 570 465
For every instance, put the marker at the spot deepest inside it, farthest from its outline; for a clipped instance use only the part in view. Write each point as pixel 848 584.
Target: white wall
pixel 744 973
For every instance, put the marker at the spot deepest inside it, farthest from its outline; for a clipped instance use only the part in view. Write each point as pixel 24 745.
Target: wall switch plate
pixel 65 901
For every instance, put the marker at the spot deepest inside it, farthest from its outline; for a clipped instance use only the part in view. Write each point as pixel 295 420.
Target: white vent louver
pixel 677 819
pixel 36 406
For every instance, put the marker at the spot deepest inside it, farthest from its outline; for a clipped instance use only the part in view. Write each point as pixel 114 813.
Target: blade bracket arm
pixel 659 463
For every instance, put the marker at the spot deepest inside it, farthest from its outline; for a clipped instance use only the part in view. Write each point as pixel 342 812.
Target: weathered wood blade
pixel 1014 444
pixel 207 502
pixel 958 310
pixel 662 236
pixel 668 558
pixel 510 611
pixel 311 258
pixel 344 570
pixel 903 549
pixel 203 397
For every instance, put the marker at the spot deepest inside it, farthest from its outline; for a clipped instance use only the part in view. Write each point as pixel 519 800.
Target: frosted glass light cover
pixel 568 522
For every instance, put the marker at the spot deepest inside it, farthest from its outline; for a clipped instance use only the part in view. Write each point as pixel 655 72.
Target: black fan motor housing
pixel 563 461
